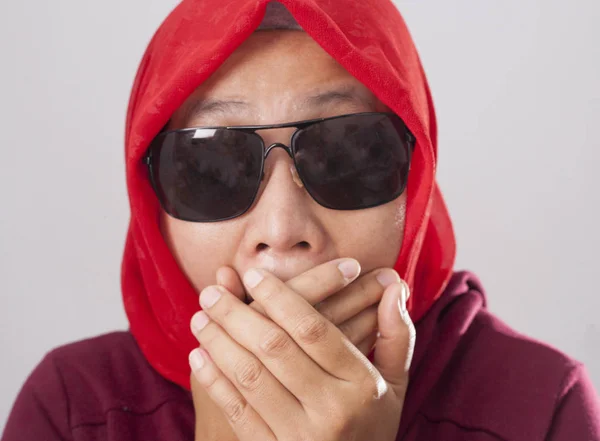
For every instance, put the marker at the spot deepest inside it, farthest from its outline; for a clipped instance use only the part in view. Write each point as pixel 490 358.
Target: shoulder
pixel 100 388
pixel 105 373
pixel 518 358
pixel 499 380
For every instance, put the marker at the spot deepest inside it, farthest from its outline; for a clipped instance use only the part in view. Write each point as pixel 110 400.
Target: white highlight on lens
pixel 204 133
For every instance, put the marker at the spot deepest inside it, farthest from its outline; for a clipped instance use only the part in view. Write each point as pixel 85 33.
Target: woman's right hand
pixel 352 308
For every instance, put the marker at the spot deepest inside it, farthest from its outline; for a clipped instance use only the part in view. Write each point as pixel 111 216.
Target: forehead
pixel 278 67
pixel 269 59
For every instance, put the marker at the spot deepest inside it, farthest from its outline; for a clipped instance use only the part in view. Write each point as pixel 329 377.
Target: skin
pixel 286 231
pixel 290 238
pixel 291 375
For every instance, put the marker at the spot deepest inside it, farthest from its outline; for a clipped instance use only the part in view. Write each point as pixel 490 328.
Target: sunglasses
pixel 347 162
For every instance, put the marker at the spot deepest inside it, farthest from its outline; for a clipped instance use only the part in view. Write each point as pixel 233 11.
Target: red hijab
pixel 371 41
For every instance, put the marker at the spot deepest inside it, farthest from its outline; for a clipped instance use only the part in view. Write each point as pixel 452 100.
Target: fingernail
pixel 209 296
pixel 406 289
pixel 387 276
pixel 252 278
pixel 199 321
pixel 402 299
pixel 412 334
pixel 196 359
pixel 350 269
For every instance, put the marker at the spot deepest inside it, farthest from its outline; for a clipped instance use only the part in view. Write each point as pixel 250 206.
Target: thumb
pixel 396 339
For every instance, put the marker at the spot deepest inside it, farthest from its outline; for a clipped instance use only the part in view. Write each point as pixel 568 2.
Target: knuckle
pixel 258 308
pixel 375 296
pixel 309 285
pixel 267 289
pixel 327 313
pixel 373 392
pixel 235 409
pixel 225 307
pixel 373 388
pixel 249 375
pixel 210 381
pixel 348 331
pixel 275 342
pixel 311 329
pixel 358 291
pixel 363 287
pixel 312 279
pixel 209 334
pixel 339 423
pixel 371 317
pixel 368 290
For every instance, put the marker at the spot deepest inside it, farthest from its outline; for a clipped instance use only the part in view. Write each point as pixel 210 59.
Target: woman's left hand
pixel 293 375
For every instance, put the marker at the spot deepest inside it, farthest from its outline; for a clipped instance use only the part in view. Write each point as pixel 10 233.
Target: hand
pixel 352 308
pixel 293 374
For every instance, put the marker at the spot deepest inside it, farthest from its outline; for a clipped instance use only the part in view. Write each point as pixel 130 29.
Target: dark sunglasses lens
pixel 354 162
pixel 207 174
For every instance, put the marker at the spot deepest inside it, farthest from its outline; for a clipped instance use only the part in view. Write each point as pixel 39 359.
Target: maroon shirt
pixel 472 379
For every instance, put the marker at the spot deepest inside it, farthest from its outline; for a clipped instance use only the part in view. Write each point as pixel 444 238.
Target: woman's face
pixel 270 79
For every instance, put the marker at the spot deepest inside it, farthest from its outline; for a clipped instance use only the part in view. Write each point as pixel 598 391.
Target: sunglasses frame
pixel 251 129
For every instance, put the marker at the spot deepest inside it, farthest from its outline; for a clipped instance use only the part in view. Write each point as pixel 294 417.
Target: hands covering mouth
pixel 268 365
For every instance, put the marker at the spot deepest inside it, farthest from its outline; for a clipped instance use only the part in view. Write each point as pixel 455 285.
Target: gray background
pixel 517 89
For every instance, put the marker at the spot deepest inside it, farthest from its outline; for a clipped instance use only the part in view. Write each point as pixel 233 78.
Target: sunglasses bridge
pixel 288 149
pixel 275 145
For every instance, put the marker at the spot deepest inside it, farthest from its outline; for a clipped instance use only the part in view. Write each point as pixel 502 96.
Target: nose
pixel 284 221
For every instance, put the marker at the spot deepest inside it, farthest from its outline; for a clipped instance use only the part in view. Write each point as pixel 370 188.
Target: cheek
pixel 373 236
pixel 191 242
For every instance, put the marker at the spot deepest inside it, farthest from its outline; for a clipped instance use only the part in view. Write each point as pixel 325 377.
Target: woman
pixel 295 233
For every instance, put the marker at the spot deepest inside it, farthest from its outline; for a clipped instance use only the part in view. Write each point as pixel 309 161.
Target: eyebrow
pixel 343 95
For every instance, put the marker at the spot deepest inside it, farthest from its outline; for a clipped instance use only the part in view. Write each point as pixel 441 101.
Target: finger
pixel 229 278
pixel 360 326
pixel 365 291
pixel 255 353
pixel 348 308
pixel 244 420
pixel 211 422
pixel 339 307
pixel 367 345
pixel 315 335
pixel 323 280
pixel 396 341
pixel 313 285
pixel 359 329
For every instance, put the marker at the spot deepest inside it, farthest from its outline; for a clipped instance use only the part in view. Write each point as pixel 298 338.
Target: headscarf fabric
pixel 371 41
